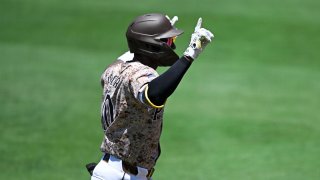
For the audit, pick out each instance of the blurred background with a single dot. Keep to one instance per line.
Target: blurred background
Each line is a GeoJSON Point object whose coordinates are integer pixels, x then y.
{"type": "Point", "coordinates": [248, 108]}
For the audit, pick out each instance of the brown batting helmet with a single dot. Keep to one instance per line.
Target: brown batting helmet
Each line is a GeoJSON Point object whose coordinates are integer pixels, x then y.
{"type": "Point", "coordinates": [148, 35]}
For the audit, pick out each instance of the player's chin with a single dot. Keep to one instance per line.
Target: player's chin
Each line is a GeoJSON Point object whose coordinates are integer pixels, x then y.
{"type": "Point", "coordinates": [173, 46]}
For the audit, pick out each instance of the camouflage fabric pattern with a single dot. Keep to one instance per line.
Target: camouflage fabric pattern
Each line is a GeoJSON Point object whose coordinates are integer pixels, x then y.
{"type": "Point", "coordinates": [131, 128]}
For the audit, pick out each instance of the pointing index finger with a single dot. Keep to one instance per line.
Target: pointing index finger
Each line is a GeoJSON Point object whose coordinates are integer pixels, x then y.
{"type": "Point", "coordinates": [198, 26]}
{"type": "Point", "coordinates": [174, 20]}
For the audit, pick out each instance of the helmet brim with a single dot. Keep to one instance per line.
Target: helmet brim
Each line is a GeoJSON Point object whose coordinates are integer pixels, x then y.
{"type": "Point", "coordinates": [171, 33]}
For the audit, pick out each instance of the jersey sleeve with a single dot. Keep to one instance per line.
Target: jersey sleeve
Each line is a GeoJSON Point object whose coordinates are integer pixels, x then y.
{"type": "Point", "coordinates": [139, 80]}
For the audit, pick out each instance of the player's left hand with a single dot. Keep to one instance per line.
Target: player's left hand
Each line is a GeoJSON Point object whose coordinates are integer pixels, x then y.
{"type": "Point", "coordinates": [200, 38]}
{"type": "Point", "coordinates": [173, 20]}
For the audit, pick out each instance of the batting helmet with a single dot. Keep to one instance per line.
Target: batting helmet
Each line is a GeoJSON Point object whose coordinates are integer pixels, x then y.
{"type": "Point", "coordinates": [148, 35]}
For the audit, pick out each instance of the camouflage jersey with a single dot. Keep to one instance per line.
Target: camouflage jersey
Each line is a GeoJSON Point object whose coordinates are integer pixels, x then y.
{"type": "Point", "coordinates": [131, 127]}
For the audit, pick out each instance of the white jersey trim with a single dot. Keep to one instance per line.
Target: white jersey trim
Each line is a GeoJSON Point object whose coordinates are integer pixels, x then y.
{"type": "Point", "coordinates": [127, 56]}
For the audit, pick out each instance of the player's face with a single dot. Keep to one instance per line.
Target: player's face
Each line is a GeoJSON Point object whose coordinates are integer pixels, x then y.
{"type": "Point", "coordinates": [171, 40]}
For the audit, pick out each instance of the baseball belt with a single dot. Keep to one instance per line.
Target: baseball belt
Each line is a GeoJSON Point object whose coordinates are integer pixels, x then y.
{"type": "Point", "coordinates": [128, 168]}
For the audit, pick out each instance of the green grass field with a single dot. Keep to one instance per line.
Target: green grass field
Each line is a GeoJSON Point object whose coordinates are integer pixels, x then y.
{"type": "Point", "coordinates": [247, 109]}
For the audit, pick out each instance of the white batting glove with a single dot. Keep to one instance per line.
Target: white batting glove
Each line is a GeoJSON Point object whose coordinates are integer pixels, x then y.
{"type": "Point", "coordinates": [199, 40]}
{"type": "Point", "coordinates": [173, 20]}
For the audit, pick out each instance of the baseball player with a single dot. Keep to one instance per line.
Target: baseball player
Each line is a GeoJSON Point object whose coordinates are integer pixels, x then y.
{"type": "Point", "coordinates": [134, 96]}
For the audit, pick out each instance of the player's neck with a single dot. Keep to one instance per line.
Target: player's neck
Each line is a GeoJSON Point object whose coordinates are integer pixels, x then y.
{"type": "Point", "coordinates": [146, 61]}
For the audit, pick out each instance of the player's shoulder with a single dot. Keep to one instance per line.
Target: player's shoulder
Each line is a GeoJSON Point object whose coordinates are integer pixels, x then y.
{"type": "Point", "coordinates": [113, 67]}
{"type": "Point", "coordinates": [137, 70]}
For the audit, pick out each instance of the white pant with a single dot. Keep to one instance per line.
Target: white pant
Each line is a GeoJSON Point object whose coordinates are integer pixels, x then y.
{"type": "Point", "coordinates": [112, 170]}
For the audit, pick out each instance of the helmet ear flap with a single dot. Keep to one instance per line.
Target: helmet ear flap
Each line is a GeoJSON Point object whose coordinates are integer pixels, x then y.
{"type": "Point", "coordinates": [136, 46]}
